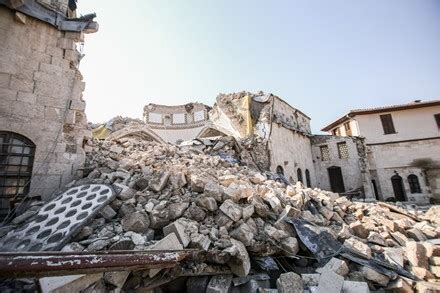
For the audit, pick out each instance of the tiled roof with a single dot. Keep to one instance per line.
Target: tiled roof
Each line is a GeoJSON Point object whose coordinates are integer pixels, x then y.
{"type": "Point", "coordinates": [413, 105]}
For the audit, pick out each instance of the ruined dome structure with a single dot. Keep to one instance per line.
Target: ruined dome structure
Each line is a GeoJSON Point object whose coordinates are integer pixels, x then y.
{"type": "Point", "coordinates": [176, 123]}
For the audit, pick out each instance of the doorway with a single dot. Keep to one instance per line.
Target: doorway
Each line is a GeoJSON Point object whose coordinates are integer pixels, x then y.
{"type": "Point", "coordinates": [399, 190]}
{"type": "Point", "coordinates": [336, 180]}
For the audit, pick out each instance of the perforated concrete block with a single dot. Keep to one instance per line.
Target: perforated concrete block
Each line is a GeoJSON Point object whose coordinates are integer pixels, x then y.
{"type": "Point", "coordinates": [59, 219]}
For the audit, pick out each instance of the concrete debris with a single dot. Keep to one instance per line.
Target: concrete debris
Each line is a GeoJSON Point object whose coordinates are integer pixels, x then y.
{"type": "Point", "coordinates": [192, 196]}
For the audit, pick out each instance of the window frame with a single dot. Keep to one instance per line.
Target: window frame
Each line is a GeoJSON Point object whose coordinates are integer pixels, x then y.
{"type": "Point", "coordinates": [414, 183]}
{"type": "Point", "coordinates": [387, 124]}
{"type": "Point", "coordinates": [339, 150]}
{"type": "Point", "coordinates": [437, 119]}
{"type": "Point", "coordinates": [322, 153]}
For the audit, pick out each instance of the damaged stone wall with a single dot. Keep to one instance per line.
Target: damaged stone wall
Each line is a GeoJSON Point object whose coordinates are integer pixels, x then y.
{"type": "Point", "coordinates": [41, 96]}
{"type": "Point", "coordinates": [176, 123]}
{"type": "Point", "coordinates": [289, 143]}
{"type": "Point", "coordinates": [388, 160]}
{"type": "Point", "coordinates": [354, 166]}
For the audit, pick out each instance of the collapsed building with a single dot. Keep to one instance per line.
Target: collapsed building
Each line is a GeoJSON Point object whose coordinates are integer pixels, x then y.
{"type": "Point", "coordinates": [43, 127]}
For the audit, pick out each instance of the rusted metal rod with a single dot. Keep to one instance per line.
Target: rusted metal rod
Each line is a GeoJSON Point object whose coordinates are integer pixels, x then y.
{"type": "Point", "coordinates": [36, 264]}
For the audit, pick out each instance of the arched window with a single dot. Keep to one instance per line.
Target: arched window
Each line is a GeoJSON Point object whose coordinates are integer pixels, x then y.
{"type": "Point", "coordinates": [280, 170]}
{"type": "Point", "coordinates": [308, 178]}
{"type": "Point", "coordinates": [16, 160]}
{"type": "Point", "coordinates": [414, 184]}
{"type": "Point", "coordinates": [299, 174]}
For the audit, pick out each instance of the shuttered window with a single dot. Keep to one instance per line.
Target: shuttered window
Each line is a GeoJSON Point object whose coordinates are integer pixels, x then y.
{"type": "Point", "coordinates": [437, 119]}
{"type": "Point", "coordinates": [387, 124]}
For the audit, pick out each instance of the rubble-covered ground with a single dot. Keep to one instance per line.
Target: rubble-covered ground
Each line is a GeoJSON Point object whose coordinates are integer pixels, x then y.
{"type": "Point", "coordinates": [260, 232]}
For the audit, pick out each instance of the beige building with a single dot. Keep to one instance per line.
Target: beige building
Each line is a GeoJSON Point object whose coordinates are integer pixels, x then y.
{"type": "Point", "coordinates": [403, 148]}
{"type": "Point", "coordinates": [43, 128]}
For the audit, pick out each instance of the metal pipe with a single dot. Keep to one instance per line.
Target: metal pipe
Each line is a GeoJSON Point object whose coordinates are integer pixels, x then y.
{"type": "Point", "coordinates": [37, 264]}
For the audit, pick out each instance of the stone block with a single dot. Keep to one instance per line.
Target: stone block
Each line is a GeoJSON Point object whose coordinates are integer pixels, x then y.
{"type": "Point", "coordinates": [77, 105]}
{"type": "Point", "coordinates": [355, 287]}
{"type": "Point", "coordinates": [359, 229]}
{"type": "Point", "coordinates": [200, 241]}
{"type": "Point", "coordinates": [240, 264]}
{"type": "Point", "coordinates": [290, 283]}
{"type": "Point", "coordinates": [169, 242]}
{"type": "Point", "coordinates": [219, 284]}
{"type": "Point", "coordinates": [335, 265]}
{"type": "Point", "coordinates": [136, 222]}
{"type": "Point", "coordinates": [243, 233]}
{"type": "Point", "coordinates": [54, 51]}
{"type": "Point", "coordinates": [65, 43]}
{"type": "Point", "coordinates": [51, 69]}
{"type": "Point", "coordinates": [310, 280]}
{"type": "Point", "coordinates": [7, 94]}
{"type": "Point", "coordinates": [231, 209]}
{"type": "Point", "coordinates": [4, 80]}
{"type": "Point", "coordinates": [427, 287]}
{"type": "Point", "coordinates": [416, 254]}
{"type": "Point", "coordinates": [108, 213]}
{"type": "Point", "coordinates": [290, 245]}
{"type": "Point", "coordinates": [400, 238]}
{"type": "Point", "coordinates": [69, 283]}
{"type": "Point", "coordinates": [26, 97]}
{"type": "Point", "coordinates": [374, 276]}
{"type": "Point", "coordinates": [208, 203]}
{"type": "Point", "coordinates": [330, 282]}
{"type": "Point", "coordinates": [358, 247]}
{"type": "Point", "coordinates": [178, 228]}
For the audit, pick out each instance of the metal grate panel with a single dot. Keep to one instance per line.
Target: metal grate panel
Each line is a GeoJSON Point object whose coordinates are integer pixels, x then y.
{"type": "Point", "coordinates": [59, 219]}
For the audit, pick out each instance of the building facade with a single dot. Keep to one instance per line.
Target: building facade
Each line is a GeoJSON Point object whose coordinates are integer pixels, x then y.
{"type": "Point", "coordinates": [43, 127]}
{"type": "Point", "coordinates": [176, 123]}
{"type": "Point", "coordinates": [403, 148]}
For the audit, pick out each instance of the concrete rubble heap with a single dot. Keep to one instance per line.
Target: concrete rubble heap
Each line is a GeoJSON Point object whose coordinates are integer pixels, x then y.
{"type": "Point", "coordinates": [198, 195]}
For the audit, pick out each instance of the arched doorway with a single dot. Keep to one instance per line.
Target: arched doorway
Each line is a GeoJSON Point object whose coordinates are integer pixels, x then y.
{"type": "Point", "coordinates": [308, 183]}
{"type": "Point", "coordinates": [336, 179]}
{"type": "Point", "coordinates": [16, 161]}
{"type": "Point", "coordinates": [399, 190]}
{"type": "Point", "coordinates": [299, 175]}
{"type": "Point", "coordinates": [280, 170]}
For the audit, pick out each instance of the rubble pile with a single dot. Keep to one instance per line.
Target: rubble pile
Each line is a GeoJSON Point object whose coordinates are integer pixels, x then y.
{"type": "Point", "coordinates": [257, 231]}
{"type": "Point", "coordinates": [175, 197]}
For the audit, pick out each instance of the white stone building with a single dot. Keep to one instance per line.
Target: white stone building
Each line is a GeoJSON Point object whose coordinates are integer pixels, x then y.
{"type": "Point", "coordinates": [403, 148]}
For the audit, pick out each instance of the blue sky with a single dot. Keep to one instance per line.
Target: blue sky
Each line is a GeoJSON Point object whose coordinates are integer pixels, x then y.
{"type": "Point", "coordinates": [323, 57]}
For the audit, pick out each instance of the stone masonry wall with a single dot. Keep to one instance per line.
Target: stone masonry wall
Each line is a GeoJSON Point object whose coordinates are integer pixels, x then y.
{"type": "Point", "coordinates": [41, 97]}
